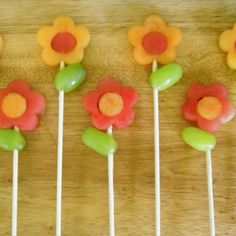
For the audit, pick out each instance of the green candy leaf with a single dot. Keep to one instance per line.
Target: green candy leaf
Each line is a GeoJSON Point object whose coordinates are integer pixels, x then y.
{"type": "Point", "coordinates": [199, 139]}
{"type": "Point", "coordinates": [166, 76]}
{"type": "Point", "coordinates": [99, 141]}
{"type": "Point", "coordinates": [11, 139]}
{"type": "Point", "coordinates": [69, 78]}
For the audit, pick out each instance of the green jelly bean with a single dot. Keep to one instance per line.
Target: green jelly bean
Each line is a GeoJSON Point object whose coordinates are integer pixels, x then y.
{"type": "Point", "coordinates": [166, 76]}
{"type": "Point", "coordinates": [11, 139]}
{"type": "Point", "coordinates": [99, 141]}
{"type": "Point", "coordinates": [199, 139]}
{"type": "Point", "coordinates": [69, 78]}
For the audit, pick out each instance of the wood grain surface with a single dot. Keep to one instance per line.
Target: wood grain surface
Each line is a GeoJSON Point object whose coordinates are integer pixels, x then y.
{"type": "Point", "coordinates": [184, 198]}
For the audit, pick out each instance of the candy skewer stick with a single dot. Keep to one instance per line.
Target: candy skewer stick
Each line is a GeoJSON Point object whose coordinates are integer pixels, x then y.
{"type": "Point", "coordinates": [60, 158]}
{"type": "Point", "coordinates": [157, 155]}
{"type": "Point", "coordinates": [111, 188]}
{"type": "Point", "coordinates": [114, 103]}
{"type": "Point", "coordinates": [201, 104]}
{"type": "Point", "coordinates": [147, 45]}
{"type": "Point", "coordinates": [15, 191]}
{"type": "Point", "coordinates": [210, 193]}
{"type": "Point", "coordinates": [22, 117]}
{"type": "Point", "coordinates": [67, 49]}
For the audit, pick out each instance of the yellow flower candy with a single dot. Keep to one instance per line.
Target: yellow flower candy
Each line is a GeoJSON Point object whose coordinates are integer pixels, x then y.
{"type": "Point", "coordinates": [227, 43]}
{"type": "Point", "coordinates": [154, 41]}
{"type": "Point", "coordinates": [63, 41]}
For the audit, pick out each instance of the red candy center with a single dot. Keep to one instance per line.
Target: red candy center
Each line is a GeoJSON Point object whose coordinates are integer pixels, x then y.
{"type": "Point", "coordinates": [154, 43]}
{"type": "Point", "coordinates": [63, 42]}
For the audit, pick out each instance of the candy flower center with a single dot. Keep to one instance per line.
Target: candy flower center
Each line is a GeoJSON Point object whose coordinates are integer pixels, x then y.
{"type": "Point", "coordinates": [14, 105]}
{"type": "Point", "coordinates": [209, 107]}
{"type": "Point", "coordinates": [154, 43]}
{"type": "Point", "coordinates": [63, 42]}
{"type": "Point", "coordinates": [110, 104]}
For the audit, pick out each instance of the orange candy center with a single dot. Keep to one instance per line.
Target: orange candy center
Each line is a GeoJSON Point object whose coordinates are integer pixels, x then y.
{"type": "Point", "coordinates": [154, 43]}
{"type": "Point", "coordinates": [209, 108]}
{"type": "Point", "coordinates": [63, 42]}
{"type": "Point", "coordinates": [14, 105]}
{"type": "Point", "coordinates": [110, 104]}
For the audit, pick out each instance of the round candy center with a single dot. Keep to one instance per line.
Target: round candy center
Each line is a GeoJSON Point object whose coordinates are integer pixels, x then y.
{"type": "Point", "coordinates": [110, 104]}
{"type": "Point", "coordinates": [63, 42]}
{"type": "Point", "coordinates": [154, 43]}
{"type": "Point", "coordinates": [209, 107]}
{"type": "Point", "coordinates": [14, 105]}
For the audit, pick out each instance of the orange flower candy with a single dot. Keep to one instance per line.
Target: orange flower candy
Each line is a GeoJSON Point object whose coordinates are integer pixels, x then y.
{"type": "Point", "coordinates": [227, 43]}
{"type": "Point", "coordinates": [63, 41]}
{"type": "Point", "coordinates": [154, 41]}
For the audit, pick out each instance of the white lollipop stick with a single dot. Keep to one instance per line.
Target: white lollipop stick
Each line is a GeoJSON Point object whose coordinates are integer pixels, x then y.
{"type": "Point", "coordinates": [157, 156]}
{"type": "Point", "coordinates": [60, 158]}
{"type": "Point", "coordinates": [111, 188]}
{"type": "Point", "coordinates": [15, 191]}
{"type": "Point", "coordinates": [210, 193]}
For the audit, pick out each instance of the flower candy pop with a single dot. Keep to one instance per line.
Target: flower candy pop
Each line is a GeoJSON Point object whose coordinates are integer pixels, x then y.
{"type": "Point", "coordinates": [63, 43]}
{"type": "Point", "coordinates": [207, 107]}
{"type": "Point", "coordinates": [19, 110]}
{"type": "Point", "coordinates": [155, 42]}
{"type": "Point", "coordinates": [110, 106]}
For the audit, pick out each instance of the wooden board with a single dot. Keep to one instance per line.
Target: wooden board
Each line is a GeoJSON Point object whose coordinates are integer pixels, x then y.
{"type": "Point", "coordinates": [184, 199]}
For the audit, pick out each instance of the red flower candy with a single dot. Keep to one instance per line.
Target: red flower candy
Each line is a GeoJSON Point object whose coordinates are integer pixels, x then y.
{"type": "Point", "coordinates": [111, 104]}
{"type": "Point", "coordinates": [19, 106]}
{"type": "Point", "coordinates": [208, 106]}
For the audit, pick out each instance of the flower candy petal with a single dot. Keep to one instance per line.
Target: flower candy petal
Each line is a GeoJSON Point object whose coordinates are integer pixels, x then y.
{"type": "Point", "coordinates": [228, 112]}
{"type": "Point", "coordinates": [227, 40]}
